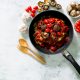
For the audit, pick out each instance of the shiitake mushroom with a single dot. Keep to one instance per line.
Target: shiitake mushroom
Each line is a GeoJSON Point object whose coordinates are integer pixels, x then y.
{"type": "Point", "coordinates": [53, 3]}
{"type": "Point", "coordinates": [56, 27]}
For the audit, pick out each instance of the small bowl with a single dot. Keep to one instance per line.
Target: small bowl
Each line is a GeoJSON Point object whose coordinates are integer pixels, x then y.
{"type": "Point", "coordinates": [72, 9]}
{"type": "Point", "coordinates": [76, 16]}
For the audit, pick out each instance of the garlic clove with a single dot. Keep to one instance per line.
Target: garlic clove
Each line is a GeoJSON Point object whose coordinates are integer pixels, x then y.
{"type": "Point", "coordinates": [23, 29]}
{"type": "Point", "coordinates": [26, 18]}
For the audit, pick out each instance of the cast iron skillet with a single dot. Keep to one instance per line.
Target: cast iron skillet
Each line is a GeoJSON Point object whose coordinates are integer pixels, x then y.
{"type": "Point", "coordinates": [59, 15]}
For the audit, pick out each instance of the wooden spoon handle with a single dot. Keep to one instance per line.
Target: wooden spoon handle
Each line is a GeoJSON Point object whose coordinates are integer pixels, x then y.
{"type": "Point", "coordinates": [32, 54]}
{"type": "Point", "coordinates": [36, 56]}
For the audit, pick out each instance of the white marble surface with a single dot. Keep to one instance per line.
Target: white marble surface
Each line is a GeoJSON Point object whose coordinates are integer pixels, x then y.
{"type": "Point", "coordinates": [17, 66]}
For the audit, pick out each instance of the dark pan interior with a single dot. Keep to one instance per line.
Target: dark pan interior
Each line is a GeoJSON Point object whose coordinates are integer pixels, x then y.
{"type": "Point", "coordinates": [55, 14]}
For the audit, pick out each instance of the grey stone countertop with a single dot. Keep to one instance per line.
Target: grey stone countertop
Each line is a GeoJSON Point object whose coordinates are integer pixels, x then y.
{"type": "Point", "coordinates": [17, 66]}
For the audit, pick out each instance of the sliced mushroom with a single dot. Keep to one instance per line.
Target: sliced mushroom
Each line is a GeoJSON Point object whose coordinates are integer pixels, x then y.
{"type": "Point", "coordinates": [40, 9]}
{"type": "Point", "coordinates": [58, 6]}
{"type": "Point", "coordinates": [40, 3]}
{"type": "Point", "coordinates": [45, 7]}
{"type": "Point", "coordinates": [45, 35]}
{"type": "Point", "coordinates": [60, 38]}
{"type": "Point", "coordinates": [53, 4]}
{"type": "Point", "coordinates": [53, 36]}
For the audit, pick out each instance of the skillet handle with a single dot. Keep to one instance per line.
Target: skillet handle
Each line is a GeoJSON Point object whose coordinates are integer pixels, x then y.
{"type": "Point", "coordinates": [70, 58]}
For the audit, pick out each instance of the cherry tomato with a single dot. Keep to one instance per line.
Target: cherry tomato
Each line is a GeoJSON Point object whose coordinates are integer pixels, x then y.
{"type": "Point", "coordinates": [67, 29]}
{"type": "Point", "coordinates": [46, 21]}
{"type": "Point", "coordinates": [77, 26]}
{"type": "Point", "coordinates": [32, 14]}
{"type": "Point", "coordinates": [51, 20]}
{"type": "Point", "coordinates": [78, 23]}
{"type": "Point", "coordinates": [33, 11]}
{"type": "Point", "coordinates": [78, 30]}
{"type": "Point", "coordinates": [36, 8]}
{"type": "Point", "coordinates": [27, 10]}
{"type": "Point", "coordinates": [49, 25]}
{"type": "Point", "coordinates": [47, 30]}
{"type": "Point", "coordinates": [51, 31]}
{"type": "Point", "coordinates": [52, 48]}
{"type": "Point", "coordinates": [59, 33]}
{"type": "Point", "coordinates": [30, 8]}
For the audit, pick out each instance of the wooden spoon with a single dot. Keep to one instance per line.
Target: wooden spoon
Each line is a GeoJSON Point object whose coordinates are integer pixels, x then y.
{"type": "Point", "coordinates": [24, 47]}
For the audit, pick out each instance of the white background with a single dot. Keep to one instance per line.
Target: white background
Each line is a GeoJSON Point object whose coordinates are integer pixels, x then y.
{"type": "Point", "coordinates": [15, 65]}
